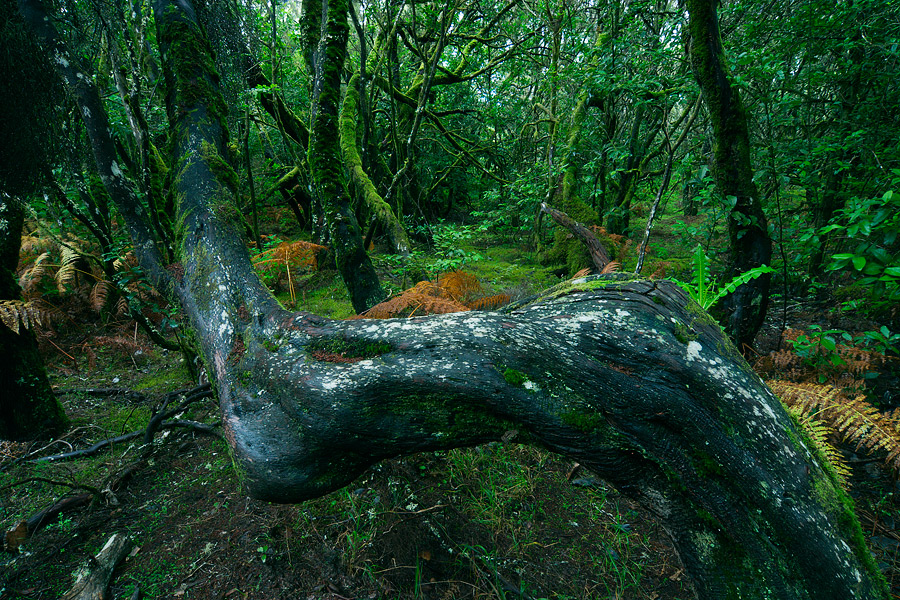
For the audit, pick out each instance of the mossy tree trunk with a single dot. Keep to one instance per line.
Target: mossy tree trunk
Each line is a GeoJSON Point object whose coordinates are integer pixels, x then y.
{"type": "Point", "coordinates": [750, 245]}
{"type": "Point", "coordinates": [626, 376]}
{"type": "Point", "coordinates": [28, 408]}
{"type": "Point", "coordinates": [326, 166]}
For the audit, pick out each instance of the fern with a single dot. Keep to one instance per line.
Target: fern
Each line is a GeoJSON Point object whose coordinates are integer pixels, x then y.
{"type": "Point", "coordinates": [489, 302]}
{"type": "Point", "coordinates": [449, 294]}
{"type": "Point", "coordinates": [854, 419]}
{"type": "Point", "coordinates": [818, 432]}
{"type": "Point", "coordinates": [16, 314]}
{"type": "Point", "coordinates": [704, 291]}
{"type": "Point", "coordinates": [99, 295]}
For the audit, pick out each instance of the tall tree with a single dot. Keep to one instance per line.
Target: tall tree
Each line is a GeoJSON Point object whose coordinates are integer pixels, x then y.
{"type": "Point", "coordinates": [28, 408]}
{"type": "Point", "coordinates": [749, 242]}
{"type": "Point", "coordinates": [624, 375]}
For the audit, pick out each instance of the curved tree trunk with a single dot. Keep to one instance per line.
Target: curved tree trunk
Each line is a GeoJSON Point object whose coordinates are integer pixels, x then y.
{"type": "Point", "coordinates": [750, 244]}
{"type": "Point", "coordinates": [626, 376]}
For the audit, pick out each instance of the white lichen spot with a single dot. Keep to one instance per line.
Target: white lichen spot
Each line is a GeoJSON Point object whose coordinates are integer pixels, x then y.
{"type": "Point", "coordinates": [330, 384]}
{"type": "Point", "coordinates": [114, 168]}
{"type": "Point", "coordinates": [622, 313]}
{"type": "Point", "coordinates": [693, 350]}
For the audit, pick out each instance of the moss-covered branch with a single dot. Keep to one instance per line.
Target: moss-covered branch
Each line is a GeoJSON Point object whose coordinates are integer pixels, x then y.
{"type": "Point", "coordinates": [380, 210]}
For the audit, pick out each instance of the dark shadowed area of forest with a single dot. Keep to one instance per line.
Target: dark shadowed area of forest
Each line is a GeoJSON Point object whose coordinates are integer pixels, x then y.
{"type": "Point", "coordinates": [533, 299]}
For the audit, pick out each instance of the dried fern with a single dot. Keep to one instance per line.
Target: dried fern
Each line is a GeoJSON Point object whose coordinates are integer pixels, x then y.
{"type": "Point", "coordinates": [99, 294]}
{"type": "Point", "coordinates": [32, 276]}
{"type": "Point", "coordinates": [16, 314]}
{"type": "Point", "coordinates": [489, 302]}
{"type": "Point", "coordinates": [68, 267]}
{"type": "Point", "coordinates": [459, 285]}
{"type": "Point", "coordinates": [854, 419]}
{"type": "Point", "coordinates": [612, 267]}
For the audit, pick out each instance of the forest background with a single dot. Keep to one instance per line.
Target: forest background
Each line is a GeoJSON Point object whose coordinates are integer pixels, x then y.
{"type": "Point", "coordinates": [455, 123]}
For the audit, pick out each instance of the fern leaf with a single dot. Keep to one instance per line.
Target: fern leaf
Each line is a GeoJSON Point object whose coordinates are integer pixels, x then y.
{"type": "Point", "coordinates": [856, 420]}
{"type": "Point", "coordinates": [99, 295]}
{"type": "Point", "coordinates": [16, 314]}
{"type": "Point", "coordinates": [818, 432]}
{"type": "Point", "coordinates": [740, 280]}
{"type": "Point", "coordinates": [68, 269]}
{"type": "Point", "coordinates": [31, 277]}
{"type": "Point", "coordinates": [489, 302]}
{"type": "Point", "coordinates": [459, 285]}
{"type": "Point", "coordinates": [612, 266]}
{"type": "Point", "coordinates": [701, 277]}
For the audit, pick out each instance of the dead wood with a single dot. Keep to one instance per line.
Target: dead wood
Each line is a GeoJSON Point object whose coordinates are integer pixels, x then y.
{"type": "Point", "coordinates": [599, 255]}
{"type": "Point", "coordinates": [92, 580]}
{"type": "Point", "coordinates": [14, 538]}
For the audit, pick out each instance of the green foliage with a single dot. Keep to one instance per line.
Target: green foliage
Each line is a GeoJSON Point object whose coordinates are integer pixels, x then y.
{"type": "Point", "coordinates": [704, 290]}
{"type": "Point", "coordinates": [869, 229]}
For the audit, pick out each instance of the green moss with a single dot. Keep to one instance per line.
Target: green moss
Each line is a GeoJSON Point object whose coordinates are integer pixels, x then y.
{"type": "Point", "coordinates": [586, 422]}
{"type": "Point", "coordinates": [827, 491]}
{"type": "Point", "coordinates": [516, 378]}
{"type": "Point", "coordinates": [683, 334]}
{"type": "Point", "coordinates": [450, 417]}
{"type": "Point", "coordinates": [191, 60]}
{"type": "Point", "coordinates": [270, 345]}
{"type": "Point", "coordinates": [223, 171]}
{"type": "Point", "coordinates": [348, 347]}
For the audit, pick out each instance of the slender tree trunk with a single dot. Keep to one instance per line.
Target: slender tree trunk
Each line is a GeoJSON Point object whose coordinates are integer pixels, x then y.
{"type": "Point", "coordinates": [28, 408]}
{"type": "Point", "coordinates": [750, 245]}
{"type": "Point", "coordinates": [329, 180]}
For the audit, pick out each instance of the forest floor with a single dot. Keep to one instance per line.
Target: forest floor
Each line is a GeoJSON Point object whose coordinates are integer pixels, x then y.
{"type": "Point", "coordinates": [499, 521]}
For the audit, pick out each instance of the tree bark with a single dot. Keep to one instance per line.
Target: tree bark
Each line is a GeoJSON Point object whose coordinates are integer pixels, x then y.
{"type": "Point", "coordinates": [750, 245]}
{"type": "Point", "coordinates": [626, 376]}
{"type": "Point", "coordinates": [326, 166]}
{"type": "Point", "coordinates": [28, 408]}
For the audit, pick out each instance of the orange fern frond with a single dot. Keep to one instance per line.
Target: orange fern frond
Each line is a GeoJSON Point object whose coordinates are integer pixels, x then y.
{"type": "Point", "coordinates": [412, 303]}
{"type": "Point", "coordinates": [459, 285]}
{"type": "Point", "coordinates": [122, 306]}
{"type": "Point", "coordinates": [489, 302]}
{"type": "Point", "coordinates": [33, 275]}
{"type": "Point", "coordinates": [99, 295]}
{"type": "Point", "coordinates": [582, 273]}
{"type": "Point", "coordinates": [612, 266]}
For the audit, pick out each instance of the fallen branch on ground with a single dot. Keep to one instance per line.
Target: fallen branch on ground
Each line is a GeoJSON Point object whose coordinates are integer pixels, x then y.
{"type": "Point", "coordinates": [91, 581]}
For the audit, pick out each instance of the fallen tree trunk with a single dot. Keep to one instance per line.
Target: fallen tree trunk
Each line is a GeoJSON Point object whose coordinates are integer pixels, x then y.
{"type": "Point", "coordinates": [626, 376]}
{"type": "Point", "coordinates": [599, 255]}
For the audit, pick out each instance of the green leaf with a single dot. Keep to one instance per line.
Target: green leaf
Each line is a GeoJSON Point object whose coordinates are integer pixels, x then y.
{"type": "Point", "coordinates": [859, 262]}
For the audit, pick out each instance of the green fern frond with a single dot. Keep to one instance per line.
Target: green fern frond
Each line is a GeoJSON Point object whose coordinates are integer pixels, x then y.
{"type": "Point", "coordinates": [818, 433]}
